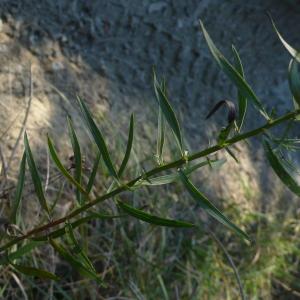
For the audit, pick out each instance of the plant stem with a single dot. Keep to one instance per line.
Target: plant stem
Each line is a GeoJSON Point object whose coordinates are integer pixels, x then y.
{"type": "Point", "coordinates": [175, 164]}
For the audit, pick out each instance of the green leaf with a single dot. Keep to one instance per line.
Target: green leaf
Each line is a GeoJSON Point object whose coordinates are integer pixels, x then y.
{"type": "Point", "coordinates": [141, 215]}
{"type": "Point", "coordinates": [129, 146]}
{"type": "Point", "coordinates": [209, 207]}
{"type": "Point", "coordinates": [78, 249]}
{"type": "Point", "coordinates": [27, 248]}
{"type": "Point", "coordinates": [19, 189]}
{"type": "Point", "coordinates": [82, 269]}
{"type": "Point", "coordinates": [59, 232]}
{"type": "Point", "coordinates": [168, 112]}
{"type": "Point", "coordinates": [93, 173]}
{"type": "Point", "coordinates": [288, 47]}
{"type": "Point", "coordinates": [294, 82]}
{"type": "Point", "coordinates": [98, 138]}
{"type": "Point", "coordinates": [35, 175]}
{"type": "Point", "coordinates": [167, 179]}
{"type": "Point", "coordinates": [242, 100]}
{"type": "Point", "coordinates": [233, 74]}
{"type": "Point", "coordinates": [281, 172]}
{"type": "Point", "coordinates": [35, 272]}
{"type": "Point", "coordinates": [62, 169]}
{"type": "Point", "coordinates": [224, 133]}
{"type": "Point", "coordinates": [160, 126]}
{"type": "Point", "coordinates": [77, 157]}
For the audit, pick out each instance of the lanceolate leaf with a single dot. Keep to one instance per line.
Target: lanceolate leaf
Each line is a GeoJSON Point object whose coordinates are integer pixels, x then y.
{"type": "Point", "coordinates": [77, 157]}
{"type": "Point", "coordinates": [23, 250]}
{"type": "Point", "coordinates": [35, 175]}
{"type": "Point", "coordinates": [59, 232]}
{"type": "Point", "coordinates": [35, 272]}
{"type": "Point", "coordinates": [209, 207]}
{"type": "Point", "coordinates": [160, 125]}
{"type": "Point", "coordinates": [289, 48]}
{"type": "Point", "coordinates": [167, 179]}
{"type": "Point", "coordinates": [281, 172]}
{"type": "Point", "coordinates": [242, 100]}
{"type": "Point", "coordinates": [128, 148]}
{"type": "Point", "coordinates": [62, 169]}
{"type": "Point", "coordinates": [19, 190]}
{"type": "Point", "coordinates": [233, 74]}
{"type": "Point", "coordinates": [77, 248]}
{"type": "Point", "coordinates": [98, 138]}
{"type": "Point", "coordinates": [141, 215]}
{"type": "Point", "coordinates": [168, 113]}
{"type": "Point", "coordinates": [82, 269]}
{"type": "Point", "coordinates": [93, 173]}
{"type": "Point", "coordinates": [294, 80]}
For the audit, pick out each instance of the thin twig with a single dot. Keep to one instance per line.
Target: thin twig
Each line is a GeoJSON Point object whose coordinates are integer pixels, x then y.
{"type": "Point", "coordinates": [175, 164]}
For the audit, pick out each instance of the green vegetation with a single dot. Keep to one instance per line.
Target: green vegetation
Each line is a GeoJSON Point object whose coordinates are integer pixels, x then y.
{"type": "Point", "coordinates": [138, 234]}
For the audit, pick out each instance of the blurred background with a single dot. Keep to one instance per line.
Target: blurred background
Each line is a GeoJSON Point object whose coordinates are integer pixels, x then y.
{"type": "Point", "coordinates": [104, 51]}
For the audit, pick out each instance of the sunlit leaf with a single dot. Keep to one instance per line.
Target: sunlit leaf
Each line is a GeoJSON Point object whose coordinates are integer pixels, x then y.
{"type": "Point", "coordinates": [30, 271]}
{"type": "Point", "coordinates": [242, 100]}
{"type": "Point", "coordinates": [209, 207]}
{"type": "Point", "coordinates": [141, 215]}
{"type": "Point", "coordinates": [98, 138]}
{"type": "Point", "coordinates": [128, 148]}
{"type": "Point", "coordinates": [19, 189]}
{"type": "Point", "coordinates": [77, 157]}
{"type": "Point", "coordinates": [281, 172]}
{"type": "Point", "coordinates": [233, 74]}
{"type": "Point", "coordinates": [62, 169]}
{"type": "Point", "coordinates": [168, 113]}
{"type": "Point", "coordinates": [35, 175]}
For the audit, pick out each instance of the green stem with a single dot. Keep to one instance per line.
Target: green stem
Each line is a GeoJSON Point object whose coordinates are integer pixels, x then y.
{"type": "Point", "coordinates": [157, 170]}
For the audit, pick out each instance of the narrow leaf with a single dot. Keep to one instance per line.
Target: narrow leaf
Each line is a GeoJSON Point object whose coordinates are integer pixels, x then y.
{"type": "Point", "coordinates": [23, 250]}
{"type": "Point", "coordinates": [281, 172]}
{"type": "Point", "coordinates": [35, 175]}
{"type": "Point", "coordinates": [83, 270]}
{"type": "Point", "coordinates": [29, 271]}
{"type": "Point", "coordinates": [170, 178]}
{"type": "Point", "coordinates": [61, 231]}
{"type": "Point", "coordinates": [209, 207]}
{"type": "Point", "coordinates": [93, 173]}
{"type": "Point", "coordinates": [98, 138]}
{"type": "Point", "coordinates": [242, 100]}
{"type": "Point", "coordinates": [128, 148]}
{"type": "Point", "coordinates": [294, 81]}
{"type": "Point", "coordinates": [295, 54]}
{"type": "Point", "coordinates": [19, 189]}
{"type": "Point", "coordinates": [168, 112]}
{"type": "Point", "coordinates": [76, 247]}
{"type": "Point", "coordinates": [77, 157]}
{"type": "Point", "coordinates": [141, 215]}
{"type": "Point", "coordinates": [233, 74]}
{"type": "Point", "coordinates": [62, 169]}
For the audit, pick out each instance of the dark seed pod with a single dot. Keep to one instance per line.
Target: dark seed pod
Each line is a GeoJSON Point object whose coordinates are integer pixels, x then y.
{"type": "Point", "coordinates": [231, 110]}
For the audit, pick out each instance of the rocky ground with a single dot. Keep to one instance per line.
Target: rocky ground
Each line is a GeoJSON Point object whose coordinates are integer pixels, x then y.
{"type": "Point", "coordinates": [105, 50]}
